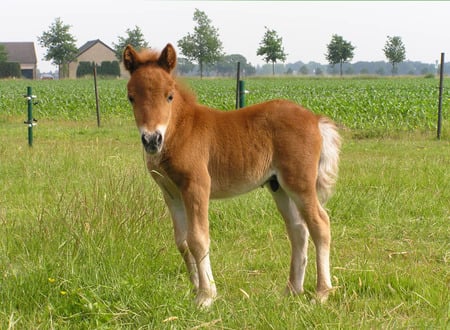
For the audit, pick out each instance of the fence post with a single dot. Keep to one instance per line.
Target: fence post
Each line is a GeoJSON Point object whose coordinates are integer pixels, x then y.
{"type": "Point", "coordinates": [441, 87]}
{"type": "Point", "coordinates": [30, 121]}
{"type": "Point", "coordinates": [241, 93]}
{"type": "Point", "coordinates": [97, 107]}
{"type": "Point", "coordinates": [238, 79]}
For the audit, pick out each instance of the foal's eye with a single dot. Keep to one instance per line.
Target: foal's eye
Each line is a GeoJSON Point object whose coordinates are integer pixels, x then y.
{"type": "Point", "coordinates": [170, 98]}
{"type": "Point", "coordinates": [131, 99]}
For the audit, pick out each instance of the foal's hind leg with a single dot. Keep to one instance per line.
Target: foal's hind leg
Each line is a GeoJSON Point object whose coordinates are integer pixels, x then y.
{"type": "Point", "coordinates": [298, 236]}
{"type": "Point", "coordinates": [301, 188]}
{"type": "Point", "coordinates": [318, 224]}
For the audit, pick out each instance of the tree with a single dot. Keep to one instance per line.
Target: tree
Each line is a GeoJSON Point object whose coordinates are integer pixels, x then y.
{"type": "Point", "coordinates": [184, 66]}
{"type": "Point", "coordinates": [339, 51]}
{"type": "Point", "coordinates": [203, 46]}
{"type": "Point", "coordinates": [394, 50]}
{"type": "Point", "coordinates": [271, 47]}
{"type": "Point", "coordinates": [60, 46]}
{"type": "Point", "coordinates": [227, 65]}
{"type": "Point", "coordinates": [303, 70]}
{"type": "Point", "coordinates": [134, 38]}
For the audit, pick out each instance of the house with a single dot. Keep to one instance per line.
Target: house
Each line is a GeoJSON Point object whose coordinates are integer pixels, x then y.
{"type": "Point", "coordinates": [23, 53]}
{"type": "Point", "coordinates": [94, 51]}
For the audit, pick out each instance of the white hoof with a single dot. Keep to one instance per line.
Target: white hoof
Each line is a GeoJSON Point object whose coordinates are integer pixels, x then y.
{"type": "Point", "coordinates": [204, 300]}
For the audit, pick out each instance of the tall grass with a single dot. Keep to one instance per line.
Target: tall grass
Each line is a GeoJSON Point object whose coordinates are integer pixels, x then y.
{"type": "Point", "coordinates": [87, 242]}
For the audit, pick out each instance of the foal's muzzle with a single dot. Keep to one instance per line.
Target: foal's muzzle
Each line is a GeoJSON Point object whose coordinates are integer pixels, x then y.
{"type": "Point", "coordinates": [152, 142]}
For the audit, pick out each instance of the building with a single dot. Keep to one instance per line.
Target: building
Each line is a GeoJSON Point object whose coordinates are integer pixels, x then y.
{"type": "Point", "coordinates": [94, 51]}
{"type": "Point", "coordinates": [23, 53]}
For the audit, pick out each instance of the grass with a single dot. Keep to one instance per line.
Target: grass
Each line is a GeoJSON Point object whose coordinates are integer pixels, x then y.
{"type": "Point", "coordinates": [87, 242]}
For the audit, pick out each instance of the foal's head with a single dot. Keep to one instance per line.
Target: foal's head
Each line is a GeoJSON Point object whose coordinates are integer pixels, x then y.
{"type": "Point", "coordinates": [151, 91]}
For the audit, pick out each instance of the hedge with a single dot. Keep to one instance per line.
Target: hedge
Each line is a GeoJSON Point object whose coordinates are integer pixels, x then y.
{"type": "Point", "coordinates": [10, 70]}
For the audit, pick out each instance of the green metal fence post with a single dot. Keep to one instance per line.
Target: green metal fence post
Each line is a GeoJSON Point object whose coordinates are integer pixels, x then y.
{"type": "Point", "coordinates": [31, 121]}
{"type": "Point", "coordinates": [241, 93]}
{"type": "Point", "coordinates": [30, 116]}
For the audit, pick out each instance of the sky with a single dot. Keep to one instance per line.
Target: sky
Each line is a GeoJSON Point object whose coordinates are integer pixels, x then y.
{"type": "Point", "coordinates": [306, 27]}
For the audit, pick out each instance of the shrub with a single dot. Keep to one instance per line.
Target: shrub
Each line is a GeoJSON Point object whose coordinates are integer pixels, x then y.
{"type": "Point", "coordinates": [10, 70]}
{"type": "Point", "coordinates": [85, 68]}
{"type": "Point", "coordinates": [109, 68]}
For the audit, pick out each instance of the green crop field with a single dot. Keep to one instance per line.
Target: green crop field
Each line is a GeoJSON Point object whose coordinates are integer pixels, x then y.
{"type": "Point", "coordinates": [376, 106]}
{"type": "Point", "coordinates": [87, 243]}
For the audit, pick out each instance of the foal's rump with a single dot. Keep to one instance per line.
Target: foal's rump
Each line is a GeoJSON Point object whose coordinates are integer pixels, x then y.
{"type": "Point", "coordinates": [316, 140]}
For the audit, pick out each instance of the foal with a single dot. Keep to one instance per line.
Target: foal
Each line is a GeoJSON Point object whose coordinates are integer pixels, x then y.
{"type": "Point", "coordinates": [195, 153]}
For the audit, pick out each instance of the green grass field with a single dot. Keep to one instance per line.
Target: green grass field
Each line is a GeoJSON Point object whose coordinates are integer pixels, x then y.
{"type": "Point", "coordinates": [87, 242]}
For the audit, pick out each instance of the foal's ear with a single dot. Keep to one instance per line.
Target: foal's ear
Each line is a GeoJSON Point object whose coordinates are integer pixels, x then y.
{"type": "Point", "coordinates": [168, 58]}
{"type": "Point", "coordinates": [130, 59]}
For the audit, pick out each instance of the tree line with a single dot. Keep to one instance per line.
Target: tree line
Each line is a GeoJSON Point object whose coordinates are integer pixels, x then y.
{"type": "Point", "coordinates": [202, 51]}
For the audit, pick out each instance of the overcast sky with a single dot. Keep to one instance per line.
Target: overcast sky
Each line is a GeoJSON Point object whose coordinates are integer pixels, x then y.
{"type": "Point", "coordinates": [305, 26]}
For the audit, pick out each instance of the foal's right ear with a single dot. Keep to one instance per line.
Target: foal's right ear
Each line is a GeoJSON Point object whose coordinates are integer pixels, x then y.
{"type": "Point", "coordinates": [168, 58]}
{"type": "Point", "coordinates": [130, 59]}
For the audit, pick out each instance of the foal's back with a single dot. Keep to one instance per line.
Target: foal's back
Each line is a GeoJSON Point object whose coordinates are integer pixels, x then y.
{"type": "Point", "coordinates": [245, 148]}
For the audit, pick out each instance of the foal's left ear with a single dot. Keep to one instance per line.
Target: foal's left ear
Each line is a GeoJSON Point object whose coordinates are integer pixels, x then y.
{"type": "Point", "coordinates": [130, 59]}
{"type": "Point", "coordinates": [168, 58]}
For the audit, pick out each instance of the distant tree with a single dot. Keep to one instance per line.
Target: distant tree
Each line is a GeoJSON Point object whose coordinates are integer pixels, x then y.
{"type": "Point", "coordinates": [184, 66]}
{"type": "Point", "coordinates": [227, 65]}
{"type": "Point", "coordinates": [349, 70]}
{"type": "Point", "coordinates": [394, 50]}
{"type": "Point", "coordinates": [380, 71]}
{"type": "Point", "coordinates": [304, 70]}
{"type": "Point", "coordinates": [134, 38]}
{"type": "Point", "coordinates": [203, 46]}
{"type": "Point", "coordinates": [339, 51]}
{"type": "Point", "coordinates": [60, 44]}
{"type": "Point", "coordinates": [271, 47]}
{"type": "Point", "coordinates": [3, 54]}
{"type": "Point", "coordinates": [364, 71]}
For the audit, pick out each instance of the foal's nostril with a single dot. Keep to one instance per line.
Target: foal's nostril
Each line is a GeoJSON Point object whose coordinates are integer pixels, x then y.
{"type": "Point", "coordinates": [158, 138]}
{"type": "Point", "coordinates": [152, 141]}
{"type": "Point", "coordinates": [144, 139]}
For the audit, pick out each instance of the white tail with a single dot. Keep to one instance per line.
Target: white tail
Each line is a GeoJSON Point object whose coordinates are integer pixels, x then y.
{"type": "Point", "coordinates": [329, 159]}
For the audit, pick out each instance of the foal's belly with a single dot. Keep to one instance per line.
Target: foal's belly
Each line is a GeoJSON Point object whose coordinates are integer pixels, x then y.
{"type": "Point", "coordinates": [229, 187]}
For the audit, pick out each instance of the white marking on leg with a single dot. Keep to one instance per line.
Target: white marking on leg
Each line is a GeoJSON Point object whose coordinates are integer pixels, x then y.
{"type": "Point", "coordinates": [207, 291]}
{"type": "Point", "coordinates": [177, 211]}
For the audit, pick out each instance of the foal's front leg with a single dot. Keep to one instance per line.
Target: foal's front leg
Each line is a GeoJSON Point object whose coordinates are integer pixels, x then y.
{"type": "Point", "coordinates": [196, 199]}
{"type": "Point", "coordinates": [178, 214]}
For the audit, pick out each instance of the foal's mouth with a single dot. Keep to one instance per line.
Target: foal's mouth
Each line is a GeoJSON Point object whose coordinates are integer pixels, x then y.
{"type": "Point", "coordinates": [152, 142]}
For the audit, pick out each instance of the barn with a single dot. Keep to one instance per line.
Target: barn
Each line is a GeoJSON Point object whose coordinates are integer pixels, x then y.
{"type": "Point", "coordinates": [93, 51]}
{"type": "Point", "coordinates": [23, 53]}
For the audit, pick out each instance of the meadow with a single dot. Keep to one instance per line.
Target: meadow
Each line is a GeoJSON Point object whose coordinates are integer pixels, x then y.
{"type": "Point", "coordinates": [87, 243]}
